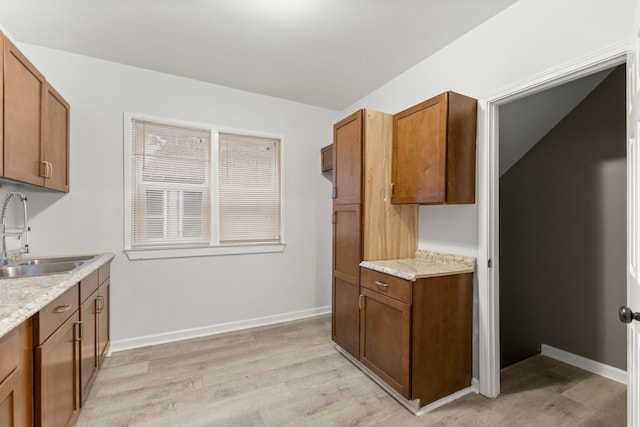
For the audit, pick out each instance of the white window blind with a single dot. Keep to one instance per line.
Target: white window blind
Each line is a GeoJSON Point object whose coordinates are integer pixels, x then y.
{"type": "Point", "coordinates": [249, 188]}
{"type": "Point", "coordinates": [171, 178]}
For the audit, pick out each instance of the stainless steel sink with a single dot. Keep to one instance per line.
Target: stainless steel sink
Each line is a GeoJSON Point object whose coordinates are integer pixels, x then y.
{"type": "Point", "coordinates": [38, 261]}
{"type": "Point", "coordinates": [43, 266]}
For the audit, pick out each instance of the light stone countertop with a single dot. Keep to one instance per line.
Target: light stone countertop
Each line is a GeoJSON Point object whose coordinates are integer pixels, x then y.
{"type": "Point", "coordinates": [21, 298]}
{"type": "Point", "coordinates": [425, 264]}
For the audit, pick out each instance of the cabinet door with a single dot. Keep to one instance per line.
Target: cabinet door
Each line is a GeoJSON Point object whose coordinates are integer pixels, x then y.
{"type": "Point", "coordinates": [419, 159]}
{"type": "Point", "coordinates": [55, 154]}
{"type": "Point", "coordinates": [385, 347]}
{"type": "Point", "coordinates": [88, 345]}
{"type": "Point", "coordinates": [57, 376]}
{"type": "Point", "coordinates": [23, 99]}
{"type": "Point", "coordinates": [103, 309]}
{"type": "Point", "coordinates": [347, 251]}
{"type": "Point", "coordinates": [16, 388]}
{"type": "Point", "coordinates": [347, 163]}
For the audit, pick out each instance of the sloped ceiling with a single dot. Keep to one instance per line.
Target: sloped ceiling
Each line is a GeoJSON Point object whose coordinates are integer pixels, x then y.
{"type": "Point", "coordinates": [525, 121]}
{"type": "Point", "coordinates": [328, 53]}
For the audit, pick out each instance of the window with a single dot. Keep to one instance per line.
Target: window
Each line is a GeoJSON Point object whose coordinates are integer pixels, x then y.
{"type": "Point", "coordinates": [194, 190]}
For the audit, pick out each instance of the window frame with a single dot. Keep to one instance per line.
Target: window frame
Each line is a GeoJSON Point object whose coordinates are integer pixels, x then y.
{"type": "Point", "coordinates": [214, 247]}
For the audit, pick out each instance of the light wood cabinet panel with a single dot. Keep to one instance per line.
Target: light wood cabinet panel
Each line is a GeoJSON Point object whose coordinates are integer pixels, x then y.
{"type": "Point", "coordinates": [16, 377]}
{"type": "Point", "coordinates": [434, 151]}
{"type": "Point", "coordinates": [55, 152]}
{"type": "Point", "coordinates": [23, 98]}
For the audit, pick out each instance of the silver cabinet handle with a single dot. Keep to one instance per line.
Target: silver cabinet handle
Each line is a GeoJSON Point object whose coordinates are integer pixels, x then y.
{"type": "Point", "coordinates": [62, 308]}
{"type": "Point", "coordinates": [382, 284]}
{"type": "Point", "coordinates": [80, 334]}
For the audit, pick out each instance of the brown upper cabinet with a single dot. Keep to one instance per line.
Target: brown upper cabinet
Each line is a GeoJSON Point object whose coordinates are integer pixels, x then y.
{"type": "Point", "coordinates": [35, 124]}
{"type": "Point", "coordinates": [434, 151]}
{"type": "Point", "coordinates": [327, 158]}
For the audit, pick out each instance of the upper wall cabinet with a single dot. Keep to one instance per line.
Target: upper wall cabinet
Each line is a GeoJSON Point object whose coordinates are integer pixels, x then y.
{"type": "Point", "coordinates": [35, 124]}
{"type": "Point", "coordinates": [326, 154]}
{"type": "Point", "coordinates": [434, 151]}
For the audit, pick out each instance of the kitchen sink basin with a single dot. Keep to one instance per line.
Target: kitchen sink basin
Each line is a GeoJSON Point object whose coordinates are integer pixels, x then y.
{"type": "Point", "coordinates": [39, 261]}
{"type": "Point", "coordinates": [43, 266]}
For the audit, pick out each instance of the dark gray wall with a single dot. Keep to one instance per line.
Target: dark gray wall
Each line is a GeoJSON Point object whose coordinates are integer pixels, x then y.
{"type": "Point", "coordinates": [563, 235]}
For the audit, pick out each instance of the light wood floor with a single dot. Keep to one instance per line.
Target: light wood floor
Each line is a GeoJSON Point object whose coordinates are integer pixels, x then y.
{"type": "Point", "coordinates": [290, 375]}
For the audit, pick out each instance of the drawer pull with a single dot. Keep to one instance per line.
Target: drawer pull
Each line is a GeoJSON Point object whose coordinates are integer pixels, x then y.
{"type": "Point", "coordinates": [382, 285]}
{"type": "Point", "coordinates": [63, 308]}
{"type": "Point", "coordinates": [80, 333]}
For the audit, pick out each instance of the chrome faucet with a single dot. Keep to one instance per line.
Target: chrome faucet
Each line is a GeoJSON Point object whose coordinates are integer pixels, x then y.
{"type": "Point", "coordinates": [20, 233]}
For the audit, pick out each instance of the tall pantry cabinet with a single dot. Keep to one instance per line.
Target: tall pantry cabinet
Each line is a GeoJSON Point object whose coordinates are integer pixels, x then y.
{"type": "Point", "coordinates": [366, 226]}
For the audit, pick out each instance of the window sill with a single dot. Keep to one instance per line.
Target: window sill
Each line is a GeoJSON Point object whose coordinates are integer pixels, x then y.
{"type": "Point", "coordinates": [161, 253]}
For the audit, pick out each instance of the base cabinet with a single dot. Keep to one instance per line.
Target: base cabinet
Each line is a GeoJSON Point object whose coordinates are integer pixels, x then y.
{"type": "Point", "coordinates": [385, 339]}
{"type": "Point", "coordinates": [94, 314]}
{"type": "Point", "coordinates": [416, 336]}
{"type": "Point", "coordinates": [16, 377]}
{"type": "Point", "coordinates": [57, 367]}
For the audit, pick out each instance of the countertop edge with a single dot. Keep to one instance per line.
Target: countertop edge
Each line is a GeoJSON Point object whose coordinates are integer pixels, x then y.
{"type": "Point", "coordinates": [64, 282]}
{"type": "Point", "coordinates": [424, 265]}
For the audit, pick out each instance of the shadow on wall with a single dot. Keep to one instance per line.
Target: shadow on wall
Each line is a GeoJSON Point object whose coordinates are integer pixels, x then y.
{"type": "Point", "coordinates": [563, 235]}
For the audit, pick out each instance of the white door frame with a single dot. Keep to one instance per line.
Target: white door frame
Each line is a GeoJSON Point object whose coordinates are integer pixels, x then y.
{"type": "Point", "coordinates": [488, 199]}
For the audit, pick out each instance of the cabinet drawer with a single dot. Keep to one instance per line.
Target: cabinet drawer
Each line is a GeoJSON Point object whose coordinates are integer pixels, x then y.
{"type": "Point", "coordinates": [89, 285]}
{"type": "Point", "coordinates": [394, 287]}
{"type": "Point", "coordinates": [53, 315]}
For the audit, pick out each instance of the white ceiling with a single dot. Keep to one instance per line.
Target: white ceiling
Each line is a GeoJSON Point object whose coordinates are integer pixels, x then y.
{"type": "Point", "coordinates": [328, 53]}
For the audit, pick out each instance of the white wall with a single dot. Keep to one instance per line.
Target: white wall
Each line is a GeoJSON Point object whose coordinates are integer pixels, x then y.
{"type": "Point", "coordinates": [524, 40]}
{"type": "Point", "coordinates": [169, 296]}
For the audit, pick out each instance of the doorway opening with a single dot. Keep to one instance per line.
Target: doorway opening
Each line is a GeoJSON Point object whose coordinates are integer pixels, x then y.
{"type": "Point", "coordinates": [489, 190]}
{"type": "Point", "coordinates": [562, 219]}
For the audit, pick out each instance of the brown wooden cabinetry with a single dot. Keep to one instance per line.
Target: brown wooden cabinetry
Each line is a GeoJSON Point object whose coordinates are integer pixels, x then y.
{"type": "Point", "coordinates": [416, 336]}
{"type": "Point", "coordinates": [16, 377]}
{"type": "Point", "coordinates": [434, 151]}
{"type": "Point", "coordinates": [94, 315]}
{"type": "Point", "coordinates": [35, 136]}
{"type": "Point", "coordinates": [326, 158]}
{"type": "Point", "coordinates": [365, 224]}
{"type": "Point", "coordinates": [57, 337]}
{"type": "Point", "coordinates": [55, 152]}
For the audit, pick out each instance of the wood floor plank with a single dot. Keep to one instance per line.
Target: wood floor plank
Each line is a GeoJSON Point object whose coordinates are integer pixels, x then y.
{"type": "Point", "coordinates": [290, 375]}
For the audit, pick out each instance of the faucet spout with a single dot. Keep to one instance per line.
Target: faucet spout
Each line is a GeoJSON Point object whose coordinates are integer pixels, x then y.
{"type": "Point", "coordinates": [20, 233]}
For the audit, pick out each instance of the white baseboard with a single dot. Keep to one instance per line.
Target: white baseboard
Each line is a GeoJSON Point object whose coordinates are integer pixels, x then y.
{"type": "Point", "coordinates": [144, 341]}
{"type": "Point", "coordinates": [412, 405]}
{"type": "Point", "coordinates": [597, 368]}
